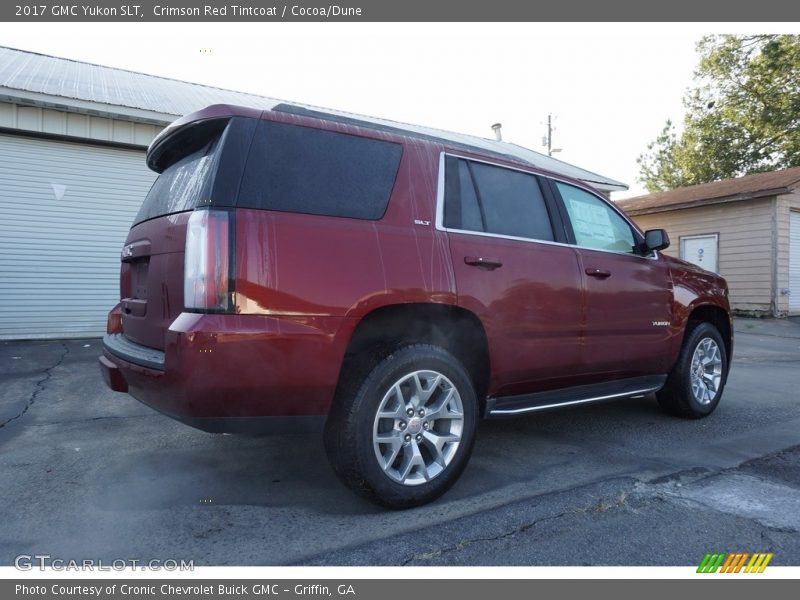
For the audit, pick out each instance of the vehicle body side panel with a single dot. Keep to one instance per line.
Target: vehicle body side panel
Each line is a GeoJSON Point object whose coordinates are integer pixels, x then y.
{"type": "Point", "coordinates": [243, 365]}
{"type": "Point", "coordinates": [628, 314]}
{"type": "Point", "coordinates": [308, 265]}
{"type": "Point", "coordinates": [693, 288]}
{"type": "Point", "coordinates": [531, 309]}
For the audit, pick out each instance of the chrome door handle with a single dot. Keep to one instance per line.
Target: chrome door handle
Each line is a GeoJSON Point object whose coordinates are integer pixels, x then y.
{"type": "Point", "coordinates": [599, 273]}
{"type": "Point", "coordinates": [482, 262]}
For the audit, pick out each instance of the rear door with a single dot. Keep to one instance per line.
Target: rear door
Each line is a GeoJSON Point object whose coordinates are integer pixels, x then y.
{"type": "Point", "coordinates": [525, 288]}
{"type": "Point", "coordinates": [628, 295]}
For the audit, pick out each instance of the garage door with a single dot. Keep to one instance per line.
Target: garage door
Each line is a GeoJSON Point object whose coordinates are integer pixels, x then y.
{"type": "Point", "coordinates": [65, 209]}
{"type": "Point", "coordinates": [794, 262]}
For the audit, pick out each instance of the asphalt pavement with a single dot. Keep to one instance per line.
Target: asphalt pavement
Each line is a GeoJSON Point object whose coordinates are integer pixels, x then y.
{"type": "Point", "coordinates": [88, 473]}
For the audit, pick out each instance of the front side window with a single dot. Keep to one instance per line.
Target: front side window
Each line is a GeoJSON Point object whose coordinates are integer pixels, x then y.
{"type": "Point", "coordinates": [481, 197]}
{"type": "Point", "coordinates": [595, 224]}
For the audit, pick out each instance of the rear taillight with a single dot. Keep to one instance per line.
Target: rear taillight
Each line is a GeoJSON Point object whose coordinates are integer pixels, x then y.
{"type": "Point", "coordinates": [206, 284]}
{"type": "Point", "coordinates": [114, 321]}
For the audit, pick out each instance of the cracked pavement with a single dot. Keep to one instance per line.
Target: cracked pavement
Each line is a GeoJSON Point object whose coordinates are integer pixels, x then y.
{"type": "Point", "coordinates": [87, 473]}
{"type": "Point", "coordinates": [620, 521]}
{"type": "Point", "coordinates": [10, 413]}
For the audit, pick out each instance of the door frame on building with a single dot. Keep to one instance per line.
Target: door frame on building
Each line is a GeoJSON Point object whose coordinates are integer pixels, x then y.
{"type": "Point", "coordinates": [684, 238]}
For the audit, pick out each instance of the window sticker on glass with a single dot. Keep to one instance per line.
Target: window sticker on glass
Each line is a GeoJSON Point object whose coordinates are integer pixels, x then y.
{"type": "Point", "coordinates": [590, 221]}
{"type": "Point", "coordinates": [594, 223]}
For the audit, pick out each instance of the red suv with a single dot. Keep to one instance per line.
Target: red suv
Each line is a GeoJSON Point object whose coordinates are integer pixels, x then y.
{"type": "Point", "coordinates": [296, 270]}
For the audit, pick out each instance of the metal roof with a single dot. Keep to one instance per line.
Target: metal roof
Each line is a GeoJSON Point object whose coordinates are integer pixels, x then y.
{"type": "Point", "coordinates": [49, 81]}
{"type": "Point", "coordinates": [758, 185]}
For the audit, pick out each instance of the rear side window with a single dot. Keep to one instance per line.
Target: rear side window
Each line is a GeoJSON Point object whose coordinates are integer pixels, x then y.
{"type": "Point", "coordinates": [481, 197]}
{"type": "Point", "coordinates": [307, 170]}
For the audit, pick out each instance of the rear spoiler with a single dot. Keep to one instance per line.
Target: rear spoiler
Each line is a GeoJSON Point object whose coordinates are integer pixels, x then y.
{"type": "Point", "coordinates": [190, 132]}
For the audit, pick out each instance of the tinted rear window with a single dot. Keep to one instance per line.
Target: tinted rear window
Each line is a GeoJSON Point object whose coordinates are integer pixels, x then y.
{"type": "Point", "coordinates": [481, 197]}
{"type": "Point", "coordinates": [512, 202]}
{"type": "Point", "coordinates": [306, 170]}
{"type": "Point", "coordinates": [183, 185]}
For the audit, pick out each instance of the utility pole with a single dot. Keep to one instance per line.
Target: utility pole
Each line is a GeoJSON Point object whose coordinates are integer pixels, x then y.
{"type": "Point", "coordinates": [548, 139]}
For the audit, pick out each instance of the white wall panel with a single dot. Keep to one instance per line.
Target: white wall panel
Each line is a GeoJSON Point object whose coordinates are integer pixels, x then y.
{"type": "Point", "coordinates": [65, 209]}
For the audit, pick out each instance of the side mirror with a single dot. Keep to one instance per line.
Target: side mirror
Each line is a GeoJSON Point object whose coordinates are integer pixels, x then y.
{"type": "Point", "coordinates": [656, 239]}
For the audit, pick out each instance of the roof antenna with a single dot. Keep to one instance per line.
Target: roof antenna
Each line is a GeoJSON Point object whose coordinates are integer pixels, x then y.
{"type": "Point", "coordinates": [497, 133]}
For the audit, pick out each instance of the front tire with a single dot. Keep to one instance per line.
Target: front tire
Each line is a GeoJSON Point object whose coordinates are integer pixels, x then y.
{"type": "Point", "coordinates": [694, 387]}
{"type": "Point", "coordinates": [402, 433]}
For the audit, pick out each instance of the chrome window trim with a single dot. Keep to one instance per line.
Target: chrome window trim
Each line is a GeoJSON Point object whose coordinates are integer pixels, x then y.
{"type": "Point", "coordinates": [440, 210]}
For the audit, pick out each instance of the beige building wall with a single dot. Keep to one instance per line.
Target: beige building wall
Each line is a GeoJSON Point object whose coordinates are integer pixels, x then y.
{"type": "Point", "coordinates": [748, 236]}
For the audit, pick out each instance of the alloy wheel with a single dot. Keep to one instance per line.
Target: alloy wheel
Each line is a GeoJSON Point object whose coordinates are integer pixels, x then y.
{"type": "Point", "coordinates": [706, 371]}
{"type": "Point", "coordinates": [418, 427]}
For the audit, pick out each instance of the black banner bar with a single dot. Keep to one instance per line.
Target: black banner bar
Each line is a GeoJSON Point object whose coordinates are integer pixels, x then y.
{"type": "Point", "coordinates": [732, 587]}
{"type": "Point", "coordinates": [402, 11]}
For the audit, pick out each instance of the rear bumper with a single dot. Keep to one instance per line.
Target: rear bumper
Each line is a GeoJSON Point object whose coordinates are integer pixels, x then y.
{"type": "Point", "coordinates": [131, 352]}
{"type": "Point", "coordinates": [234, 373]}
{"type": "Point", "coordinates": [112, 375]}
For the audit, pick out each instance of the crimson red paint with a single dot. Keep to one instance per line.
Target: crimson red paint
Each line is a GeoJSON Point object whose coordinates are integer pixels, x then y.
{"type": "Point", "coordinates": [295, 298]}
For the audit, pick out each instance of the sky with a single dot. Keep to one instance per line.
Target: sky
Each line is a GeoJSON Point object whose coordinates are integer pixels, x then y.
{"type": "Point", "coordinates": [610, 87]}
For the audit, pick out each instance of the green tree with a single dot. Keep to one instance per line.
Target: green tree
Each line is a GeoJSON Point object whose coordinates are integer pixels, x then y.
{"type": "Point", "coordinates": [742, 114]}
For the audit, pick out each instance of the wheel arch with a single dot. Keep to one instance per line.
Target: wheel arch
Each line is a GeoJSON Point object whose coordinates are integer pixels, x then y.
{"type": "Point", "coordinates": [719, 318]}
{"type": "Point", "coordinates": [457, 330]}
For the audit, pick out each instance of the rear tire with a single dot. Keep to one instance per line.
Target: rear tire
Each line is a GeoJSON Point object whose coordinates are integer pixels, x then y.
{"type": "Point", "coordinates": [401, 431]}
{"type": "Point", "coordinates": [695, 385]}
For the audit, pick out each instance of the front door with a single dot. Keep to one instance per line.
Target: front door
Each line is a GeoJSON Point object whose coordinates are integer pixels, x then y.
{"type": "Point", "coordinates": [628, 295]}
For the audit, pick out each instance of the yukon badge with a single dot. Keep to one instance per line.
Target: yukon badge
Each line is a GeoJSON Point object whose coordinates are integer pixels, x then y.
{"type": "Point", "coordinates": [660, 323]}
{"type": "Point", "coordinates": [127, 251]}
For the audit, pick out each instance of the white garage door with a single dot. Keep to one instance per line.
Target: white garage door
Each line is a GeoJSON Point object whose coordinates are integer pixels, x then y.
{"type": "Point", "coordinates": [65, 209]}
{"type": "Point", "coordinates": [794, 262]}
